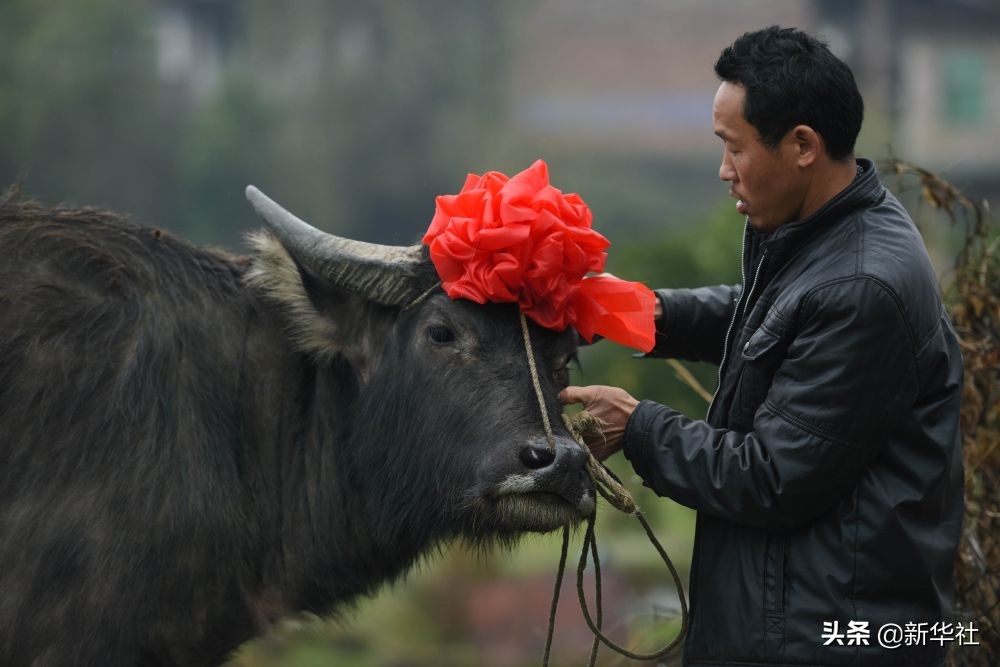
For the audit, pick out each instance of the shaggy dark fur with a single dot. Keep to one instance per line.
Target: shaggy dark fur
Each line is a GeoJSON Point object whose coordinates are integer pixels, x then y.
{"type": "Point", "coordinates": [176, 473]}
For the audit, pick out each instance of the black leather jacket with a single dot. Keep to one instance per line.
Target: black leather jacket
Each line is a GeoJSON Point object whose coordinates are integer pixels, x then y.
{"type": "Point", "coordinates": [828, 474]}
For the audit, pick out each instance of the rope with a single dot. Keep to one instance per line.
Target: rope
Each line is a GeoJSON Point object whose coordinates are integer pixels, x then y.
{"type": "Point", "coordinates": [555, 596]}
{"type": "Point", "coordinates": [549, 437]}
{"type": "Point", "coordinates": [591, 541]}
{"type": "Point", "coordinates": [582, 425]}
{"type": "Point", "coordinates": [597, 594]}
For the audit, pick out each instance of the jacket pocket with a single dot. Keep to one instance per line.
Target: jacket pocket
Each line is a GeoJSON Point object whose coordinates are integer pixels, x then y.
{"type": "Point", "coordinates": [760, 357]}
{"type": "Point", "coordinates": [760, 343]}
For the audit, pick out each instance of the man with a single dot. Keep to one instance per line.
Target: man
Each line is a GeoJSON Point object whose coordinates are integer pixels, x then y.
{"type": "Point", "coordinates": [827, 475]}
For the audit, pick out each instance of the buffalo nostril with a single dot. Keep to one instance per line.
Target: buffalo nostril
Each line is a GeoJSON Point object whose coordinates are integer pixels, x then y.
{"type": "Point", "coordinates": [536, 457]}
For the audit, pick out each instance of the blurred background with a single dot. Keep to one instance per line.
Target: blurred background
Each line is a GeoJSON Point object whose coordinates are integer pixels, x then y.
{"type": "Point", "coordinates": [355, 115]}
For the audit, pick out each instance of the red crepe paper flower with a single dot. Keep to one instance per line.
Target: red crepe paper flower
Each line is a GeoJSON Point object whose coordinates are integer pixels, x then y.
{"type": "Point", "coordinates": [519, 239]}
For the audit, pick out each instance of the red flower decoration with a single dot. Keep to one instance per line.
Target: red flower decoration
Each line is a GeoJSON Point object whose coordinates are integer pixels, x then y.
{"type": "Point", "coordinates": [520, 239]}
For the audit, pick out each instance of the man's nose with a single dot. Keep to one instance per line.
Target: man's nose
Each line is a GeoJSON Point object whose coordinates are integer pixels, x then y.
{"type": "Point", "coordinates": [726, 171]}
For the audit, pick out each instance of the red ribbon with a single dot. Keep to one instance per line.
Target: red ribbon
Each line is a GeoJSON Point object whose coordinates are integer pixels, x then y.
{"type": "Point", "coordinates": [519, 239]}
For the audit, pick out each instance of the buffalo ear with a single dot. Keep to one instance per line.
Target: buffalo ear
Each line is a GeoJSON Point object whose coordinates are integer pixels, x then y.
{"type": "Point", "coordinates": [339, 294]}
{"type": "Point", "coordinates": [322, 320]}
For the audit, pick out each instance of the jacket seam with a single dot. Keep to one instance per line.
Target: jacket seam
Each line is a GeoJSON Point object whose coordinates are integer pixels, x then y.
{"type": "Point", "coordinates": [932, 331]}
{"type": "Point", "coordinates": [763, 598]}
{"type": "Point", "coordinates": [929, 336]}
{"type": "Point", "coordinates": [644, 447]}
{"type": "Point", "coordinates": [645, 442]}
{"type": "Point", "coordinates": [808, 427]}
{"type": "Point", "coordinates": [860, 248]}
{"type": "Point", "coordinates": [776, 312]}
{"type": "Point", "coordinates": [885, 288]}
{"type": "Point", "coordinates": [668, 317]}
{"type": "Point", "coordinates": [854, 577]}
{"type": "Point", "coordinates": [770, 330]}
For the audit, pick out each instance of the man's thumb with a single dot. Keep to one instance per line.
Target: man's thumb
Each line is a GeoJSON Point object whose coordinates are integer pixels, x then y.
{"type": "Point", "coordinates": [571, 395]}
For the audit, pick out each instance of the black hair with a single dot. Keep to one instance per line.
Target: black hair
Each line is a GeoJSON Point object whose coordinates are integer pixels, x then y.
{"type": "Point", "coordinates": [792, 78]}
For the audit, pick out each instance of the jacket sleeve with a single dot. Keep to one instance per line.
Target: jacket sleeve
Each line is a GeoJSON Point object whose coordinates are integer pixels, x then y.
{"type": "Point", "coordinates": [694, 322]}
{"type": "Point", "coordinates": [844, 381]}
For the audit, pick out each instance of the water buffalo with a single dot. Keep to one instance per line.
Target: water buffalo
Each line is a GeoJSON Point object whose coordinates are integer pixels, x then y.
{"type": "Point", "coordinates": [195, 444]}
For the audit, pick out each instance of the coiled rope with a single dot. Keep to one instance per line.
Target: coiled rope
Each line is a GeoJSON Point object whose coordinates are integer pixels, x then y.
{"type": "Point", "coordinates": [583, 425]}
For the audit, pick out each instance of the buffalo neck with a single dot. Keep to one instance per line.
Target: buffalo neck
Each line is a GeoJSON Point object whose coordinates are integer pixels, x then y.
{"type": "Point", "coordinates": [320, 483]}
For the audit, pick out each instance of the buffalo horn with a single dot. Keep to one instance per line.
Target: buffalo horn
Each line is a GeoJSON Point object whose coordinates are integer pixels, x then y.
{"type": "Point", "coordinates": [381, 273]}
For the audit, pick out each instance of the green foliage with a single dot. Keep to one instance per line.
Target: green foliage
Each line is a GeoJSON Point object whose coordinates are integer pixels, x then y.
{"type": "Point", "coordinates": [382, 106]}
{"type": "Point", "coordinates": [359, 113]}
{"type": "Point", "coordinates": [224, 148]}
{"type": "Point", "coordinates": [693, 255]}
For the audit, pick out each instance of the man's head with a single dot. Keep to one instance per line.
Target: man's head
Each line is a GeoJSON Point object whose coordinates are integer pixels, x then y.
{"type": "Point", "coordinates": [788, 112]}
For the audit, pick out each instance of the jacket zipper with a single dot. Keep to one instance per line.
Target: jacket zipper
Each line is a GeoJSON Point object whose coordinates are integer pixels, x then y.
{"type": "Point", "coordinates": [738, 311]}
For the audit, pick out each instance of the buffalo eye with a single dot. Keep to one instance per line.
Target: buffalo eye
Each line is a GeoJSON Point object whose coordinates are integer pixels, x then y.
{"type": "Point", "coordinates": [560, 370]}
{"type": "Point", "coordinates": [563, 362]}
{"type": "Point", "coordinates": [440, 334]}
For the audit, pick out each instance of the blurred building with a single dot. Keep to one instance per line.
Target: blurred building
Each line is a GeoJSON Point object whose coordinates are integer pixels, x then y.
{"type": "Point", "coordinates": [944, 88]}
{"type": "Point", "coordinates": [630, 79]}
{"type": "Point", "coordinates": [637, 79]}
{"type": "Point", "coordinates": [627, 86]}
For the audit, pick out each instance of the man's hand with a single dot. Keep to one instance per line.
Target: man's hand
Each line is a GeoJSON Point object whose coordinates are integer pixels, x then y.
{"type": "Point", "coordinates": [610, 404]}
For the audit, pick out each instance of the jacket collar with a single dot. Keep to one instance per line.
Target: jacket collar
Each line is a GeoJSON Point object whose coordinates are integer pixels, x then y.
{"type": "Point", "coordinates": [864, 191]}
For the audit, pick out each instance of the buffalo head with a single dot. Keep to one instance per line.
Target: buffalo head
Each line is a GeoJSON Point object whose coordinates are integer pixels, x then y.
{"type": "Point", "coordinates": [444, 421]}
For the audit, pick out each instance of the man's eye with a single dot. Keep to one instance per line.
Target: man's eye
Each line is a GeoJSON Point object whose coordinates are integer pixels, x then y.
{"type": "Point", "coordinates": [440, 334]}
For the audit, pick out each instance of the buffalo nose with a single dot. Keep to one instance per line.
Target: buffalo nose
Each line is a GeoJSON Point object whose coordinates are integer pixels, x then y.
{"type": "Point", "coordinates": [537, 456]}
{"type": "Point", "coordinates": [567, 457]}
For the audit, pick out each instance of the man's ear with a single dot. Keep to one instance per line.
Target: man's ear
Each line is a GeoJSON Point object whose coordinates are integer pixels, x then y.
{"type": "Point", "coordinates": [808, 145]}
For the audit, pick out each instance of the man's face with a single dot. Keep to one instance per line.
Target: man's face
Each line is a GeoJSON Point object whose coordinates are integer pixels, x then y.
{"type": "Point", "coordinates": [768, 184]}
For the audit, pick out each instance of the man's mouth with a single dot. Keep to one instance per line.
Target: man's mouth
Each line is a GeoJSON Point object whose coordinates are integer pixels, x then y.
{"type": "Point", "coordinates": [741, 205]}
